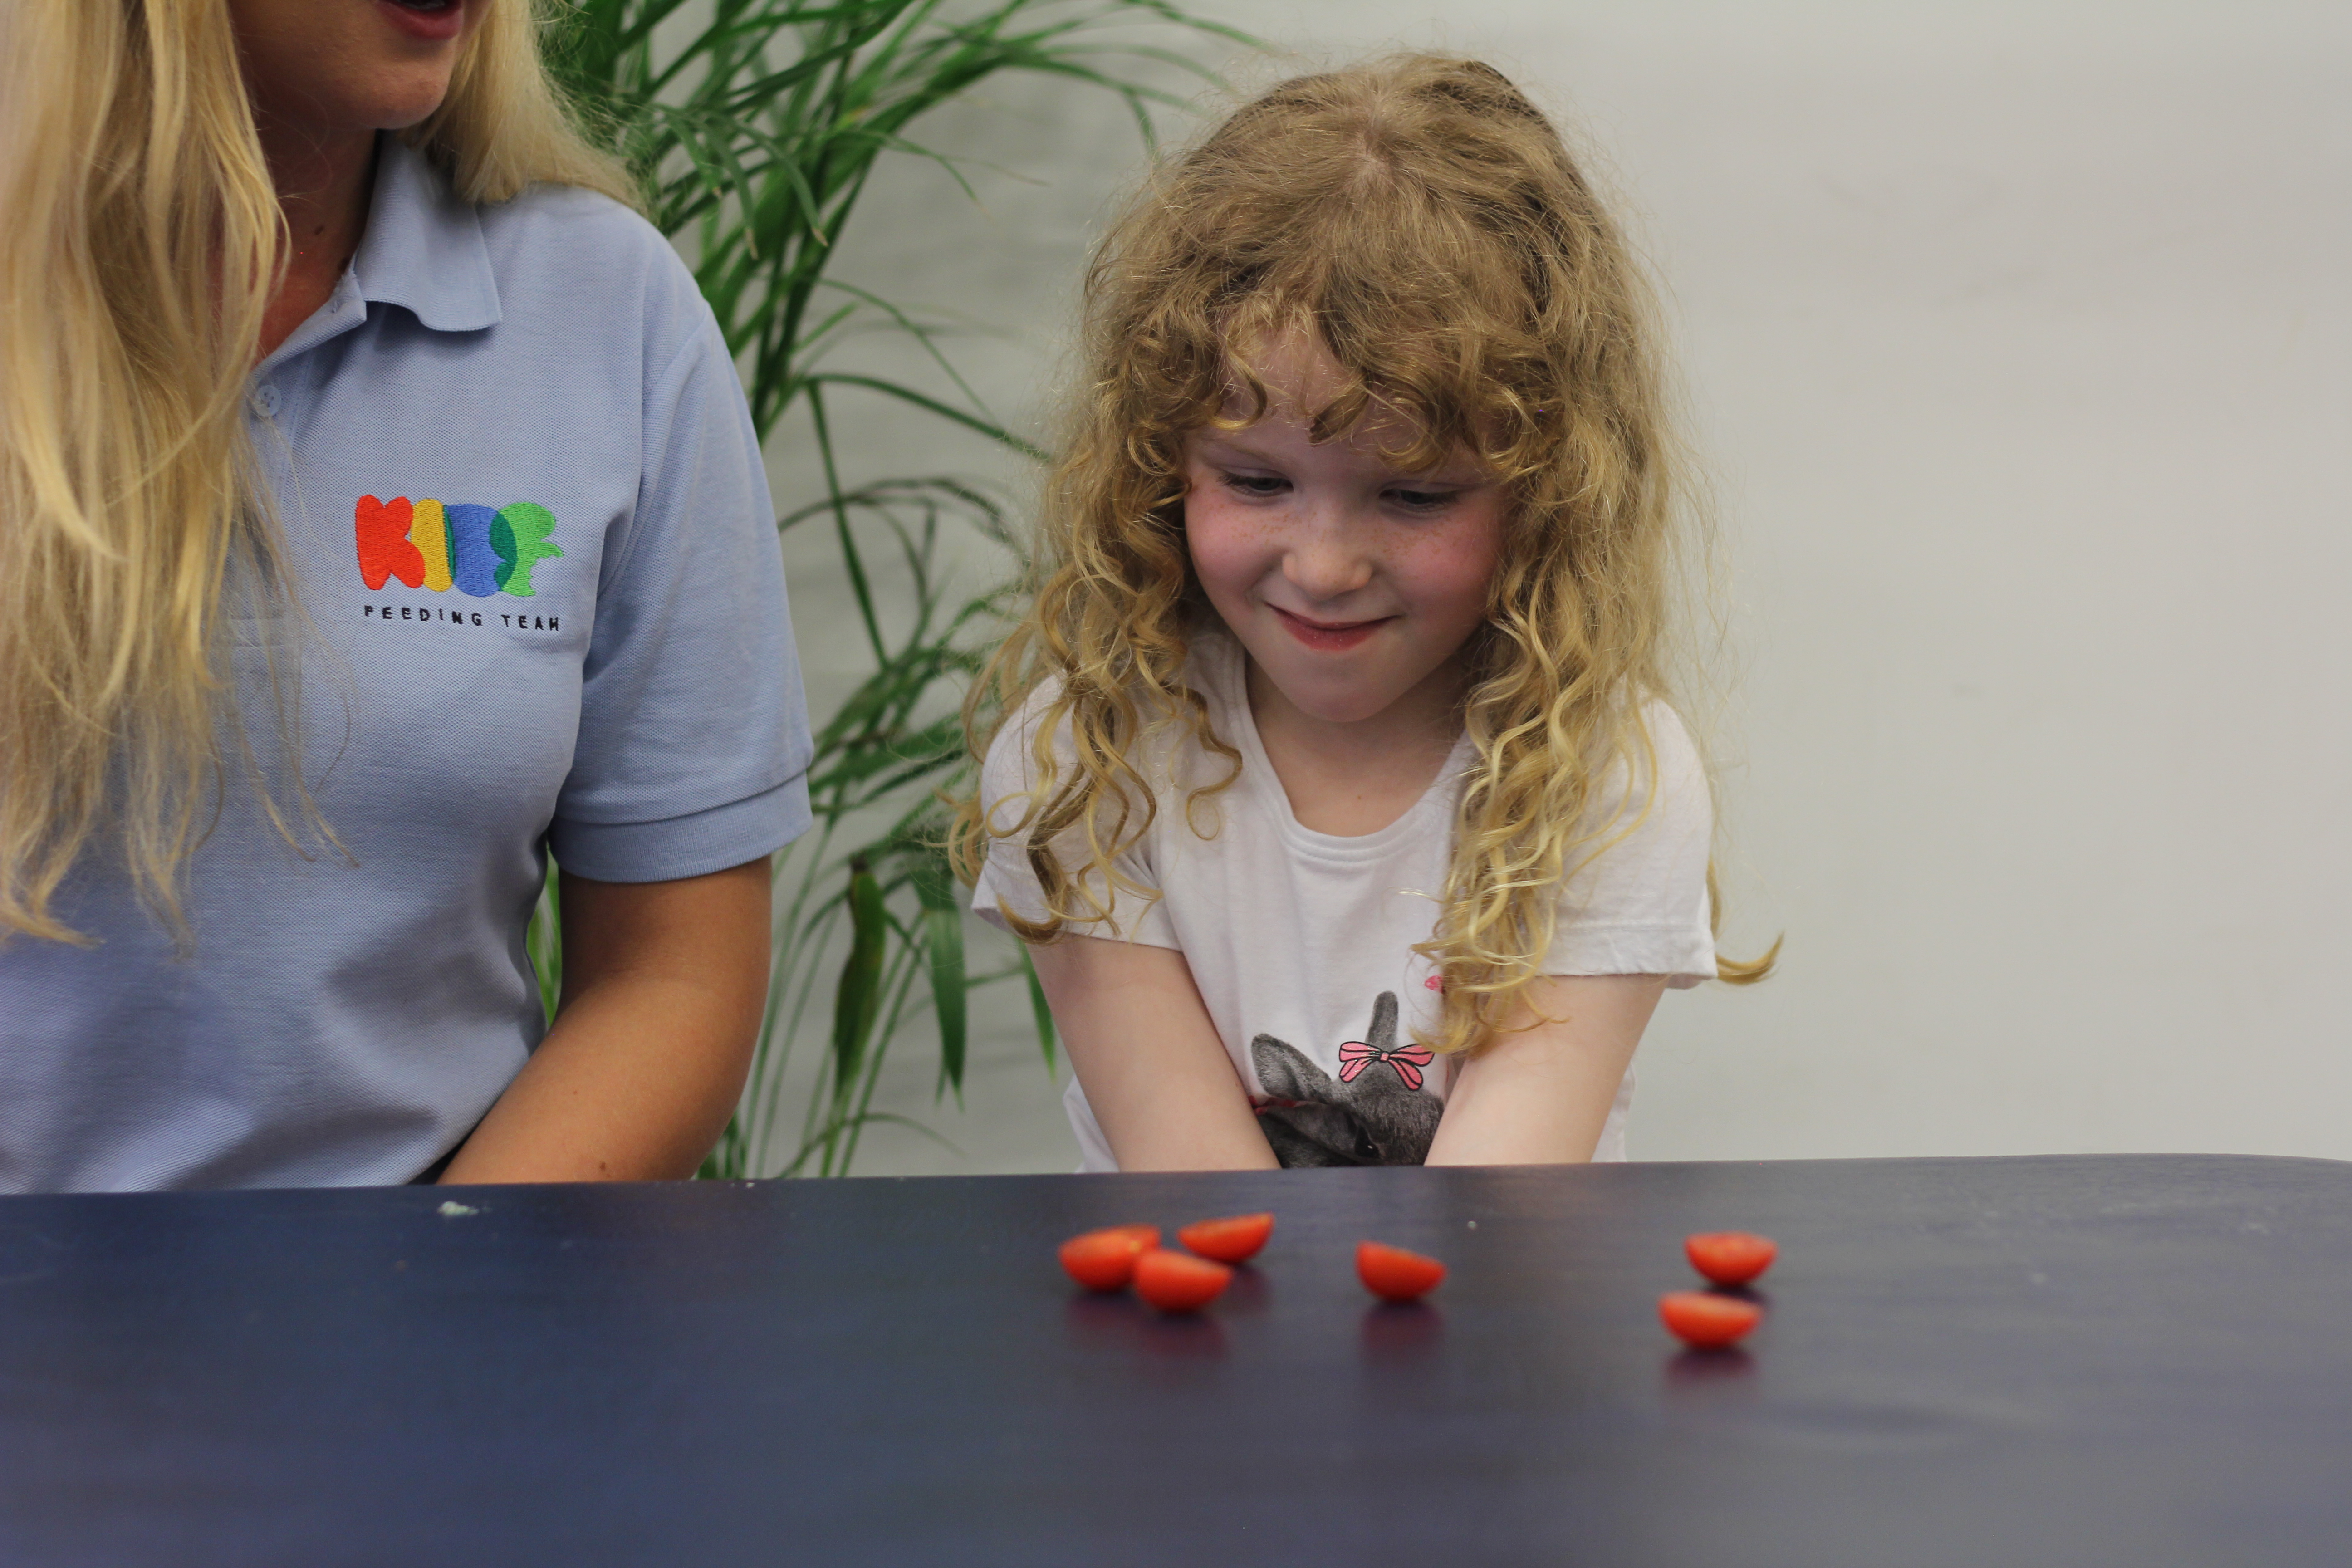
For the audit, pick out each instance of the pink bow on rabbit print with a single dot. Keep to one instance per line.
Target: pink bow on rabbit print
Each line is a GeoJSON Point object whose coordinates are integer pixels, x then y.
{"type": "Point", "coordinates": [1355, 1056]}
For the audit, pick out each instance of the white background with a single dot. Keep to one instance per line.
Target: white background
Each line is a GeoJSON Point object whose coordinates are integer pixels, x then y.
{"type": "Point", "coordinates": [2015, 341]}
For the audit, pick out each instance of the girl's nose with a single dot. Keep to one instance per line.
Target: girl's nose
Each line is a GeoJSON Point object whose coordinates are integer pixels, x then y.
{"type": "Point", "coordinates": [1327, 560]}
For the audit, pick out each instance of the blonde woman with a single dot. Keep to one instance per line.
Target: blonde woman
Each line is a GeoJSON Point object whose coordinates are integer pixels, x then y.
{"type": "Point", "coordinates": [1337, 790]}
{"type": "Point", "coordinates": [378, 510]}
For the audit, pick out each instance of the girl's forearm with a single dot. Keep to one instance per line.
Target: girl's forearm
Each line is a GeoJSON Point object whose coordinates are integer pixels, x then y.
{"type": "Point", "coordinates": [1540, 1093]}
{"type": "Point", "coordinates": [1155, 1073]}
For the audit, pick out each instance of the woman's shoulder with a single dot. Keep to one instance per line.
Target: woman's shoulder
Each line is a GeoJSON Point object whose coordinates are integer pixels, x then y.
{"type": "Point", "coordinates": [572, 219]}
{"type": "Point", "coordinates": [577, 256]}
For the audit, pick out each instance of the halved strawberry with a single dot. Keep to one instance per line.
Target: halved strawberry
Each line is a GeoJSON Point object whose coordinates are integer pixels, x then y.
{"type": "Point", "coordinates": [1706, 1319]}
{"type": "Point", "coordinates": [1234, 1240]}
{"type": "Point", "coordinates": [1104, 1260]}
{"type": "Point", "coordinates": [1730, 1257]}
{"type": "Point", "coordinates": [1396, 1275]}
{"type": "Point", "coordinates": [1174, 1282]}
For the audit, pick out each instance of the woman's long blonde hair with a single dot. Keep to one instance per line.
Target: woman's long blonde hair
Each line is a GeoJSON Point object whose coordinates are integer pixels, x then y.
{"type": "Point", "coordinates": [1424, 221]}
{"type": "Point", "coordinates": [140, 240]}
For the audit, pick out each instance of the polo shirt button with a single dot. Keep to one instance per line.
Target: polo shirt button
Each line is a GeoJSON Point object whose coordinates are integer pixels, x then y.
{"type": "Point", "coordinates": [265, 400]}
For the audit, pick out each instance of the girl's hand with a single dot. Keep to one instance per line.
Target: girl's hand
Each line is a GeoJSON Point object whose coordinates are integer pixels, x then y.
{"type": "Point", "coordinates": [1149, 1057]}
{"type": "Point", "coordinates": [1540, 1091]}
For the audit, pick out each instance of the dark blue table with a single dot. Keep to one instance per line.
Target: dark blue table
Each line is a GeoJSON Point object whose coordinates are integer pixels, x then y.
{"type": "Point", "coordinates": [2036, 1362]}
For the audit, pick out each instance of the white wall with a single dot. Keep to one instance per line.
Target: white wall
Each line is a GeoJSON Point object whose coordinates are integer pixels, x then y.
{"type": "Point", "coordinates": [2017, 343]}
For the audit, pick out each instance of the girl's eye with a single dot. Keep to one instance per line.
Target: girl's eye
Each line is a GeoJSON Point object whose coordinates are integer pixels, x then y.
{"type": "Point", "coordinates": [1256, 484]}
{"type": "Point", "coordinates": [1423, 500]}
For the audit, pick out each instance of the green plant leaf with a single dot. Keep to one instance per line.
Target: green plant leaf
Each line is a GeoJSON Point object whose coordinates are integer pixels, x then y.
{"type": "Point", "coordinates": [858, 997]}
{"type": "Point", "coordinates": [987, 427]}
{"type": "Point", "coordinates": [815, 1151]}
{"type": "Point", "coordinates": [1040, 1012]}
{"type": "Point", "coordinates": [943, 944]}
{"type": "Point", "coordinates": [754, 126]}
{"type": "Point", "coordinates": [543, 941]}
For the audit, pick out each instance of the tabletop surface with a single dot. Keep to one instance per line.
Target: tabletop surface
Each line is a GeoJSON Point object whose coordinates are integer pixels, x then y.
{"type": "Point", "coordinates": [2045, 1362]}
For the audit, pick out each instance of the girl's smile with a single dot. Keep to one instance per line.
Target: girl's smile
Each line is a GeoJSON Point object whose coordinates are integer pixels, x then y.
{"type": "Point", "coordinates": [1332, 638]}
{"type": "Point", "coordinates": [1353, 584]}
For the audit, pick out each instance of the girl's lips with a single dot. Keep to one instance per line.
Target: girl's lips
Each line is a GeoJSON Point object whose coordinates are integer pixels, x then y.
{"type": "Point", "coordinates": [436, 25]}
{"type": "Point", "coordinates": [1331, 638]}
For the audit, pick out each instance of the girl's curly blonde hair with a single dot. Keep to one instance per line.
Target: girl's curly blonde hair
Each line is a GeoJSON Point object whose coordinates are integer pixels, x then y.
{"type": "Point", "coordinates": [1424, 221]}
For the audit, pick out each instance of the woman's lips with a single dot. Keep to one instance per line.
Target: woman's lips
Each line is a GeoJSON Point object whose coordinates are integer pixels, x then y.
{"type": "Point", "coordinates": [437, 25]}
{"type": "Point", "coordinates": [1329, 636]}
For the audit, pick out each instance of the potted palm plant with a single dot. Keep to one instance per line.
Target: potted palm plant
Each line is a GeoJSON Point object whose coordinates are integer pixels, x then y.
{"type": "Point", "coordinates": [754, 126]}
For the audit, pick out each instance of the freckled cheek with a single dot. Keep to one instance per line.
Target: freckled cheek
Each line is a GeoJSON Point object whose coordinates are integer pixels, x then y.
{"type": "Point", "coordinates": [1448, 574]}
{"type": "Point", "coordinates": [1230, 550]}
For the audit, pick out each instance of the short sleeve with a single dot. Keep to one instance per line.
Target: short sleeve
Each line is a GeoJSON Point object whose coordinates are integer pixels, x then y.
{"type": "Point", "coordinates": [1006, 883]}
{"type": "Point", "coordinates": [1640, 906]}
{"type": "Point", "coordinates": [693, 747]}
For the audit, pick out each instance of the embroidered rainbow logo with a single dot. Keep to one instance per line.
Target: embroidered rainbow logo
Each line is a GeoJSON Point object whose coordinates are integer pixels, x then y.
{"type": "Point", "coordinates": [476, 549]}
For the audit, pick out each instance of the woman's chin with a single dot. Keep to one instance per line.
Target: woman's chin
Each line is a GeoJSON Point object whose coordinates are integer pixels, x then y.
{"type": "Point", "coordinates": [397, 95]}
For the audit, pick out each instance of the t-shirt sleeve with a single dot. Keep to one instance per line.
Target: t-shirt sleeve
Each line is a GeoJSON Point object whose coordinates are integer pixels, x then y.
{"type": "Point", "coordinates": [1640, 906]}
{"type": "Point", "coordinates": [1007, 882]}
{"type": "Point", "coordinates": [694, 748]}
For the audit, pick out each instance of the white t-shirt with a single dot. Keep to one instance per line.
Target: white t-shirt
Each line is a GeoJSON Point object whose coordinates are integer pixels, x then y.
{"type": "Point", "coordinates": [1304, 940]}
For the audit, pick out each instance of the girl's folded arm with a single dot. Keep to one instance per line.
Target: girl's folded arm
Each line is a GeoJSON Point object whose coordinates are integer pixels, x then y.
{"type": "Point", "coordinates": [1540, 1091]}
{"type": "Point", "coordinates": [1144, 1047]}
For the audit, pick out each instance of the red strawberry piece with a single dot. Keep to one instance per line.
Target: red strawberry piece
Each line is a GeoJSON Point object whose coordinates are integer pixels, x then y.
{"type": "Point", "coordinates": [1176, 1282]}
{"type": "Point", "coordinates": [1396, 1275]}
{"type": "Point", "coordinates": [1104, 1260]}
{"type": "Point", "coordinates": [1730, 1257]}
{"type": "Point", "coordinates": [1234, 1240]}
{"type": "Point", "coordinates": [1707, 1320]}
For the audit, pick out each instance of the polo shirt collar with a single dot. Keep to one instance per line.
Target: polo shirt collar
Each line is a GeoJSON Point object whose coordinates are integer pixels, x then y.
{"type": "Point", "coordinates": [424, 249]}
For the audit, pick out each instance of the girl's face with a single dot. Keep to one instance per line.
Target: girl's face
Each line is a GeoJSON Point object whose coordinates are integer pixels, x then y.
{"type": "Point", "coordinates": [346, 66]}
{"type": "Point", "coordinates": [1353, 584]}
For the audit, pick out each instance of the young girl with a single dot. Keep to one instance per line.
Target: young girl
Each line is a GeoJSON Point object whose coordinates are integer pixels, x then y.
{"type": "Point", "coordinates": [1334, 787]}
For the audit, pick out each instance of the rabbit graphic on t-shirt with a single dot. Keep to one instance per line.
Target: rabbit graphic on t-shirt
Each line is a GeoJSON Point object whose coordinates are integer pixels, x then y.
{"type": "Point", "coordinates": [1373, 1113]}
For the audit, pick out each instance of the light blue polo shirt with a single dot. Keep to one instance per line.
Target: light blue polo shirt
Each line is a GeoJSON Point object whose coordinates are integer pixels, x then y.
{"type": "Point", "coordinates": [542, 604]}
